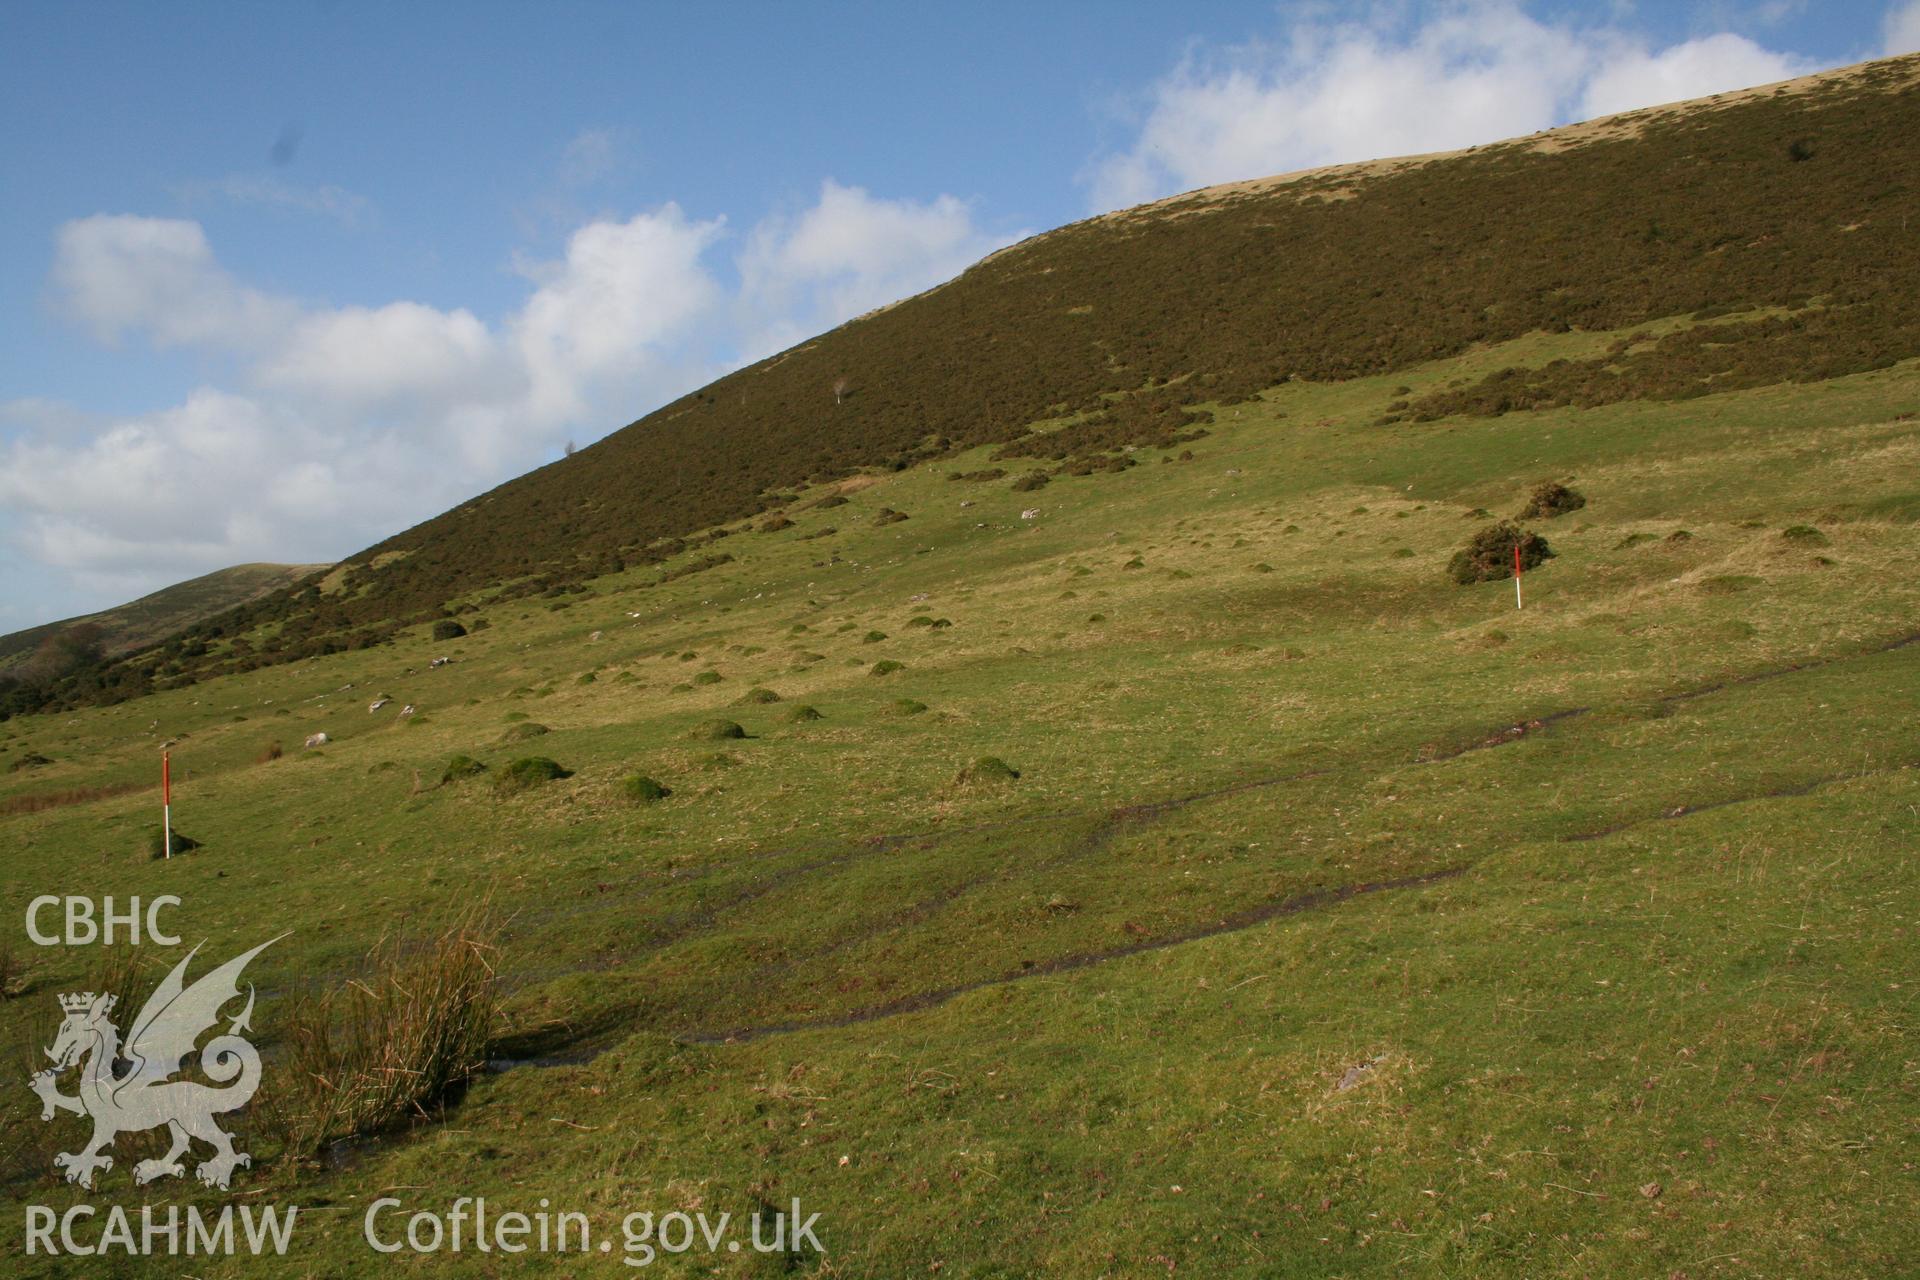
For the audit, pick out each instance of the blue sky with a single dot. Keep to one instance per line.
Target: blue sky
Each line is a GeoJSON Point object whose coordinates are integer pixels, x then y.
{"type": "Point", "coordinates": [280, 280]}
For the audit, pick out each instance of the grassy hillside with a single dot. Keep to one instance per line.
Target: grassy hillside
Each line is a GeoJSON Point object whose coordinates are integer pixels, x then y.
{"type": "Point", "coordinates": [1339, 920]}
{"type": "Point", "coordinates": [1785, 215]}
{"type": "Point", "coordinates": [154, 617]}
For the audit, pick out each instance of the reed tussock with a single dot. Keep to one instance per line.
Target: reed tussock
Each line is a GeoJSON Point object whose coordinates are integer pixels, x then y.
{"type": "Point", "coordinates": [388, 1048]}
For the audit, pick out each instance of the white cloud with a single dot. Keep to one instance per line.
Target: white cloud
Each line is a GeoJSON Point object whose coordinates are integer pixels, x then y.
{"type": "Point", "coordinates": [352, 422]}
{"type": "Point", "coordinates": [626, 294]}
{"type": "Point", "coordinates": [847, 254]}
{"type": "Point", "coordinates": [589, 156]}
{"type": "Point", "coordinates": [1346, 91]}
{"type": "Point", "coordinates": [1712, 64]}
{"type": "Point", "coordinates": [1902, 29]}
{"type": "Point", "coordinates": [119, 272]}
{"type": "Point", "coordinates": [400, 354]}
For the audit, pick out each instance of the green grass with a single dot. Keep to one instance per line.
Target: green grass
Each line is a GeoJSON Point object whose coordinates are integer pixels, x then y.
{"type": "Point", "coordinates": [1602, 909]}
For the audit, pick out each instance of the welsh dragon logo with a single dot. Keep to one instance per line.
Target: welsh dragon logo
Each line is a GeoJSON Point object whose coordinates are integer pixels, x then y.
{"type": "Point", "coordinates": [129, 1087]}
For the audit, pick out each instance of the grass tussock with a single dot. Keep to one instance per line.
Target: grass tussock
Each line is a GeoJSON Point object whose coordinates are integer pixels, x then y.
{"type": "Point", "coordinates": [986, 771]}
{"type": "Point", "coordinates": [638, 788]}
{"type": "Point", "coordinates": [387, 1049]}
{"type": "Point", "coordinates": [153, 842]}
{"type": "Point", "coordinates": [528, 772]}
{"type": "Point", "coordinates": [461, 766]}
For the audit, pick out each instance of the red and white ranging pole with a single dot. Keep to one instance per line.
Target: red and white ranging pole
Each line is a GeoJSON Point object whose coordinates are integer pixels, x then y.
{"type": "Point", "coordinates": [166, 802]}
{"type": "Point", "coordinates": [1516, 577]}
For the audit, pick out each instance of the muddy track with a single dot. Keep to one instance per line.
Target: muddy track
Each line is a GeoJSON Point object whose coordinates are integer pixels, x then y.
{"type": "Point", "coordinates": [1791, 669]}
{"type": "Point", "coordinates": [1784, 792]}
{"type": "Point", "coordinates": [665, 932]}
{"type": "Point", "coordinates": [1235, 923]}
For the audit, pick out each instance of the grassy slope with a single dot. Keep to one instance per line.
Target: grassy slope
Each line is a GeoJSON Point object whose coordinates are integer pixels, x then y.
{"type": "Point", "coordinates": [1710, 999]}
{"type": "Point", "coordinates": [153, 617]}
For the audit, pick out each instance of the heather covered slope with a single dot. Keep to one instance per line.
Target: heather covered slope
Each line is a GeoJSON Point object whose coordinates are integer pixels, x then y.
{"type": "Point", "coordinates": [1792, 205]}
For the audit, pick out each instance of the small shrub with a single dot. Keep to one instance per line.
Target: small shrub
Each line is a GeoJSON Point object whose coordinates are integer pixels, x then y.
{"type": "Point", "coordinates": [991, 473]}
{"type": "Point", "coordinates": [986, 770]}
{"type": "Point", "coordinates": [153, 841]}
{"type": "Point", "coordinates": [1678, 536]}
{"type": "Point", "coordinates": [1804, 535]}
{"type": "Point", "coordinates": [718, 731]}
{"type": "Point", "coordinates": [906, 707]}
{"type": "Point", "coordinates": [461, 766]}
{"type": "Point", "coordinates": [1550, 498]}
{"type": "Point", "coordinates": [715, 760]}
{"type": "Point", "coordinates": [708, 677]}
{"type": "Point", "coordinates": [776, 524]}
{"type": "Point", "coordinates": [528, 772]}
{"type": "Point", "coordinates": [758, 697]}
{"type": "Point", "coordinates": [873, 637]}
{"type": "Point", "coordinates": [638, 788]}
{"type": "Point", "coordinates": [31, 760]}
{"type": "Point", "coordinates": [1488, 557]}
{"type": "Point", "coordinates": [803, 714]}
{"type": "Point", "coordinates": [587, 677]}
{"type": "Point", "coordinates": [1030, 481]}
{"type": "Point", "coordinates": [269, 753]}
{"type": "Point", "coordinates": [888, 516]}
{"type": "Point", "coordinates": [886, 667]}
{"type": "Point", "coordinates": [522, 732]}
{"type": "Point", "coordinates": [448, 629]}
{"type": "Point", "coordinates": [830, 501]}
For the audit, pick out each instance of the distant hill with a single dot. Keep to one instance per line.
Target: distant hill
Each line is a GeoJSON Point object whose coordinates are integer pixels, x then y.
{"type": "Point", "coordinates": [1789, 208]}
{"type": "Point", "coordinates": [127, 627]}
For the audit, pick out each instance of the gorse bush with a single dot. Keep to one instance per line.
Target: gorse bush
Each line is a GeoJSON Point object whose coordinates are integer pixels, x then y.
{"type": "Point", "coordinates": [1551, 498]}
{"type": "Point", "coordinates": [1488, 557]}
